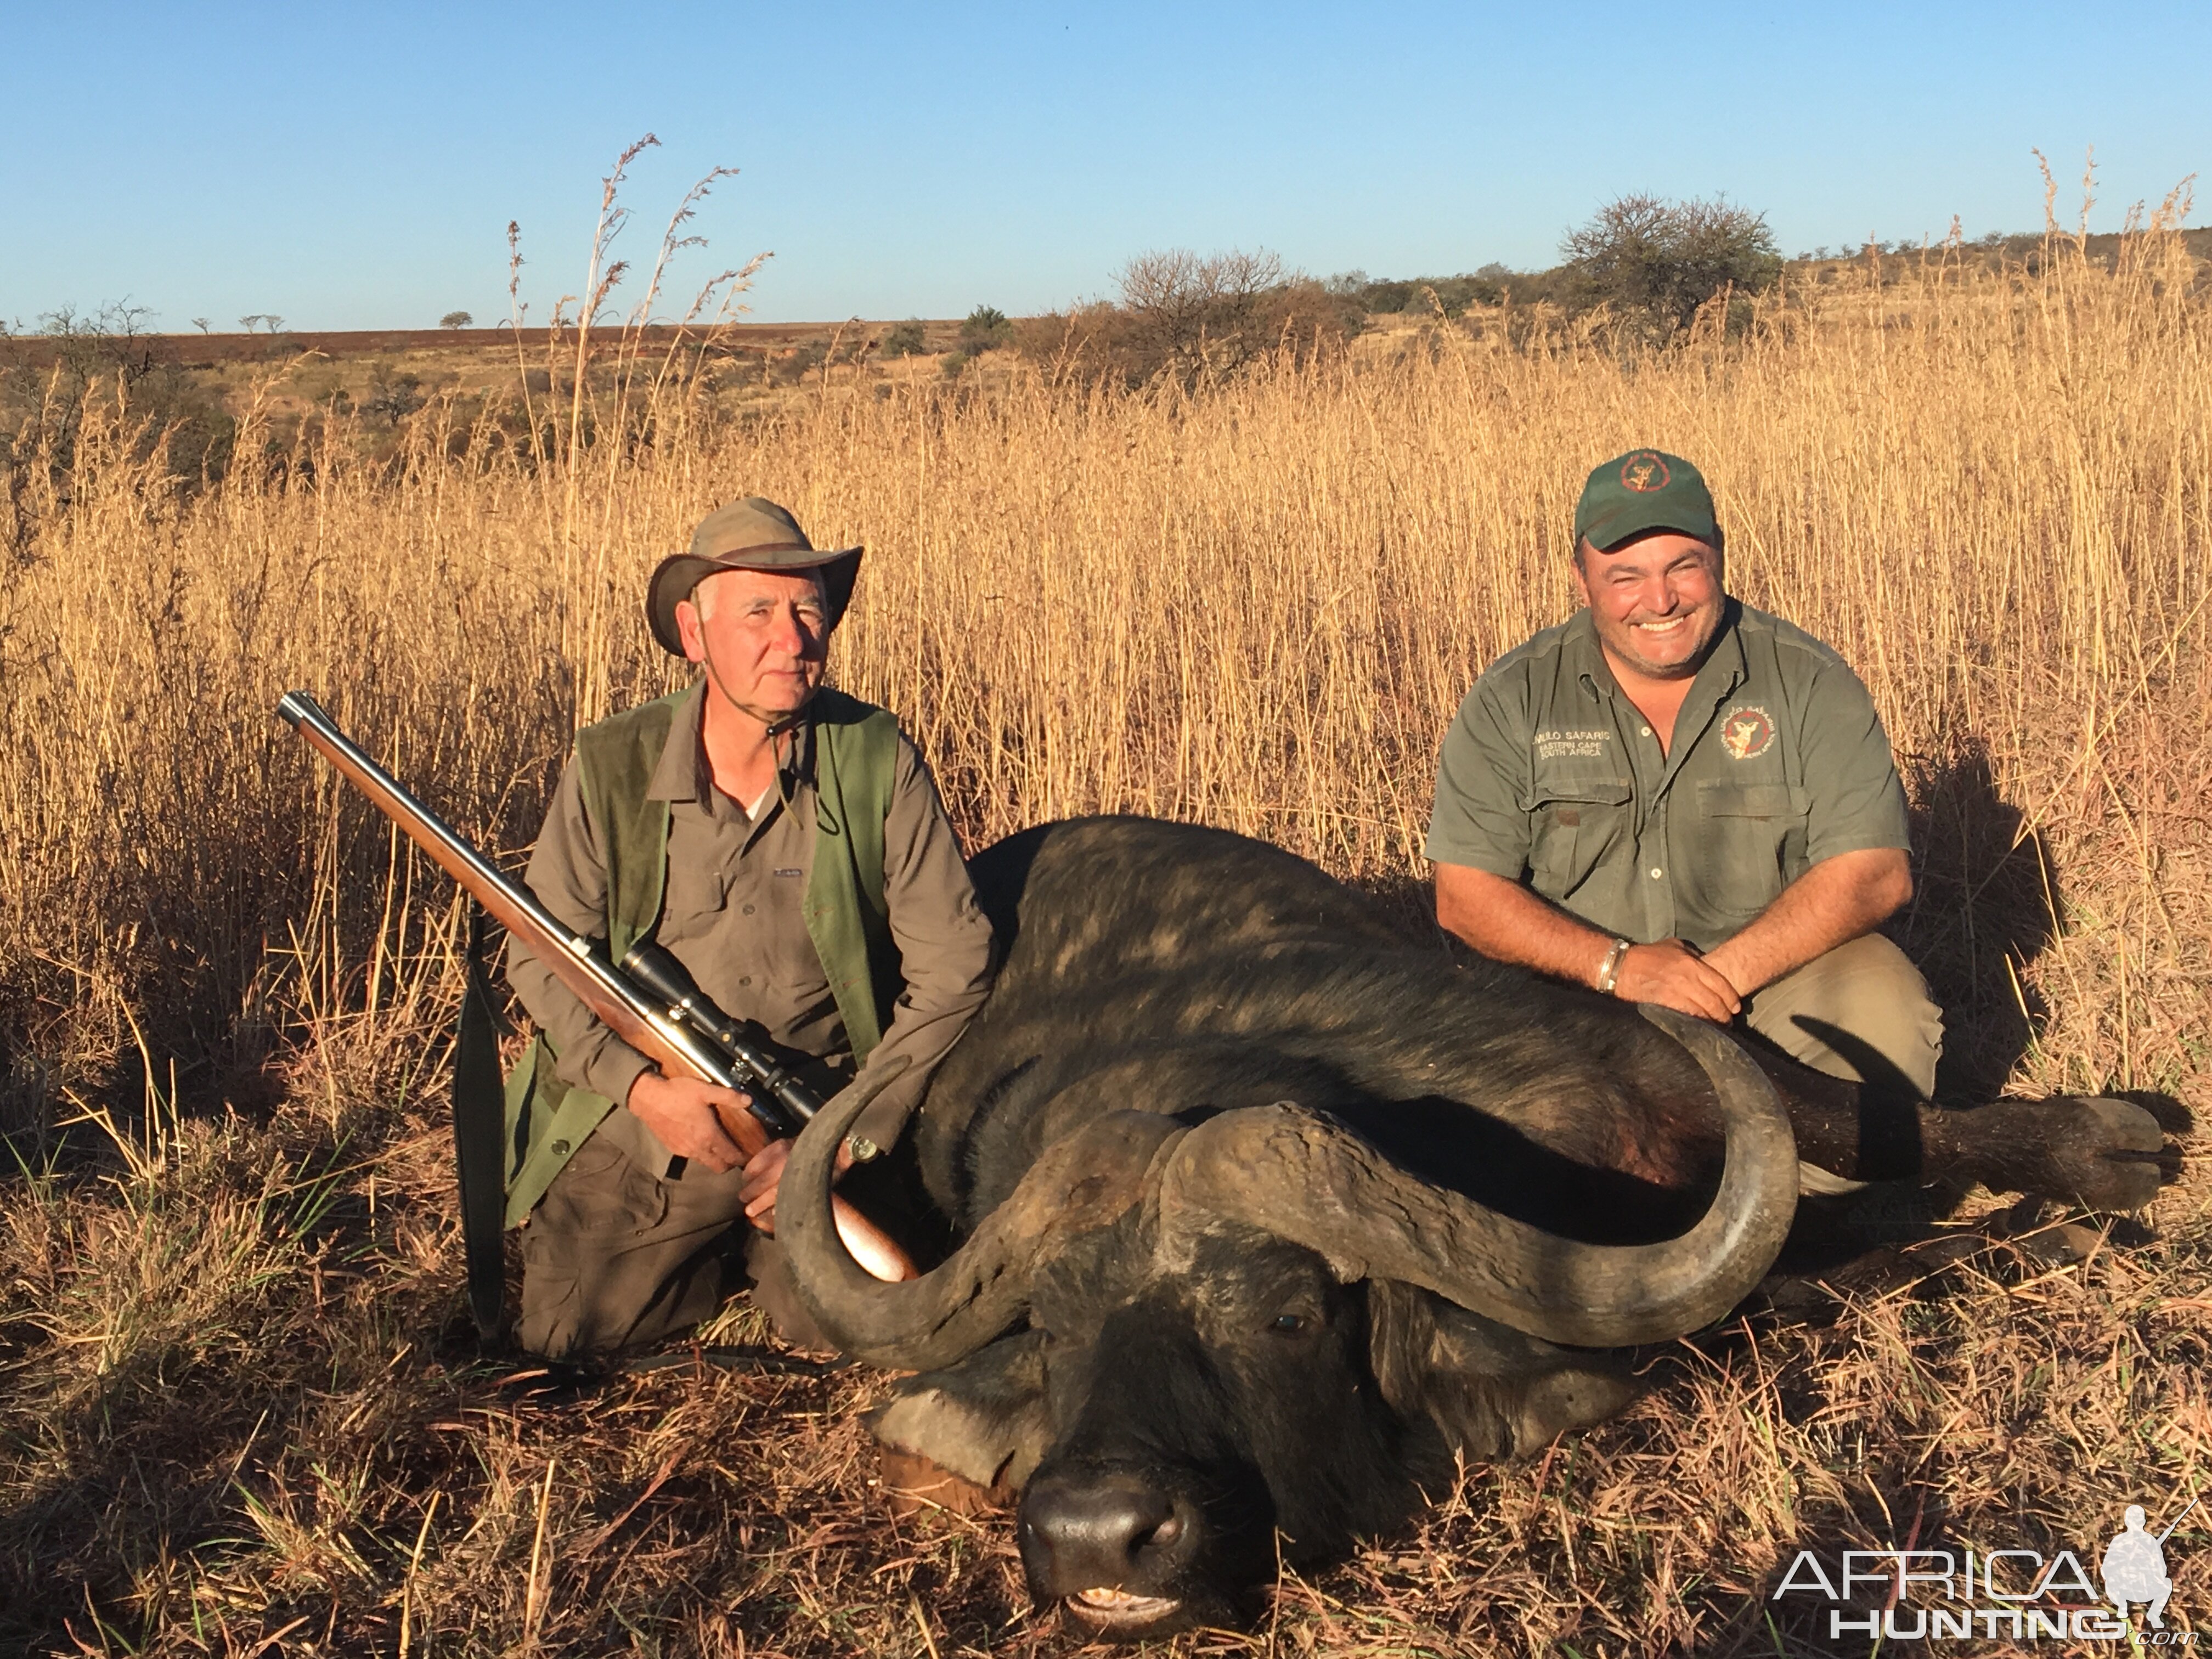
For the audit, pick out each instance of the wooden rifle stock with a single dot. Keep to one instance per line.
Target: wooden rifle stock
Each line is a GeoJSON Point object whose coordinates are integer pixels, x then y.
{"type": "Point", "coordinates": [613, 998]}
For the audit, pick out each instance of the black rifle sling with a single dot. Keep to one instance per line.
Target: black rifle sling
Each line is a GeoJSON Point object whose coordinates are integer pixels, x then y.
{"type": "Point", "coordinates": [479, 1123]}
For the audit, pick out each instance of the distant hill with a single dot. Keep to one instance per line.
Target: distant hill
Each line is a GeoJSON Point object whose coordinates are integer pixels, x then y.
{"type": "Point", "coordinates": [196, 350]}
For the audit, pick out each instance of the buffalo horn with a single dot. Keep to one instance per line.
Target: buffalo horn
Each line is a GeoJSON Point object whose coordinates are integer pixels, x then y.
{"type": "Point", "coordinates": [1298, 1174]}
{"type": "Point", "coordinates": [1082, 1181]}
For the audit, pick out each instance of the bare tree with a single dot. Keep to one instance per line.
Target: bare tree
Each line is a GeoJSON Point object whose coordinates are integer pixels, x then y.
{"type": "Point", "coordinates": [98, 353]}
{"type": "Point", "coordinates": [1184, 316]}
{"type": "Point", "coordinates": [1182, 313]}
{"type": "Point", "coordinates": [115, 333]}
{"type": "Point", "coordinates": [1656, 261]}
{"type": "Point", "coordinates": [1182, 308]}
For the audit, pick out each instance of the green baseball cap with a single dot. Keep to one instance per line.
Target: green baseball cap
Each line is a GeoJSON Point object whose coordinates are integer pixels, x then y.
{"type": "Point", "coordinates": [752, 534]}
{"type": "Point", "coordinates": [1643, 490]}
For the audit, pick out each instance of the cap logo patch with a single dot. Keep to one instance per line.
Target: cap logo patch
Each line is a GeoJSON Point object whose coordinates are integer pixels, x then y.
{"type": "Point", "coordinates": [1747, 733]}
{"type": "Point", "coordinates": [1644, 472]}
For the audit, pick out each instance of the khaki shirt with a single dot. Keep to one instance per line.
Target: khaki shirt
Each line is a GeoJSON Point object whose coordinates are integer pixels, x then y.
{"type": "Point", "coordinates": [731, 913]}
{"type": "Point", "coordinates": [1550, 774]}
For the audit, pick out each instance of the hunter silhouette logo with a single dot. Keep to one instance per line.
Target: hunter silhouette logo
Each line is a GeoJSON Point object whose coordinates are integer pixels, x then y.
{"type": "Point", "coordinates": [1644, 471]}
{"type": "Point", "coordinates": [1746, 733]}
{"type": "Point", "coordinates": [2134, 1567]}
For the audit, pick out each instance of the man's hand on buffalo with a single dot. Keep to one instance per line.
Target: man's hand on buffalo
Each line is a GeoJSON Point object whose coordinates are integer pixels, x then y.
{"type": "Point", "coordinates": [1672, 974]}
{"type": "Point", "coordinates": [765, 1173]}
{"type": "Point", "coordinates": [688, 1117]}
{"type": "Point", "coordinates": [763, 1176]}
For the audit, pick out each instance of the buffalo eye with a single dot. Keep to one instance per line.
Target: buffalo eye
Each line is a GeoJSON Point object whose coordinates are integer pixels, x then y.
{"type": "Point", "coordinates": [1290, 1324]}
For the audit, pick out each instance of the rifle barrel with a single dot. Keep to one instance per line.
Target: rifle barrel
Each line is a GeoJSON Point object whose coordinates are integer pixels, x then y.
{"type": "Point", "coordinates": [305, 716]}
{"type": "Point", "coordinates": [646, 1026]}
{"type": "Point", "coordinates": [2178, 1520]}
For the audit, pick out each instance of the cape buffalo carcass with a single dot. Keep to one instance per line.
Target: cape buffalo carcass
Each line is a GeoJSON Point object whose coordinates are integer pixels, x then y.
{"type": "Point", "coordinates": [1266, 1210]}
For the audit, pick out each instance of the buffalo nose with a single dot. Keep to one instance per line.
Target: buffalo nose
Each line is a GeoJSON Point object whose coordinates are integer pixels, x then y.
{"type": "Point", "coordinates": [1087, 1531]}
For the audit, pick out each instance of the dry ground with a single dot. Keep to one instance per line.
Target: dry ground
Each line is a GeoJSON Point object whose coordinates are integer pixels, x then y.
{"type": "Point", "coordinates": [241, 1411]}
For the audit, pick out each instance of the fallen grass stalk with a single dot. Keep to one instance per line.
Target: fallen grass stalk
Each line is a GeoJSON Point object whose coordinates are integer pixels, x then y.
{"type": "Point", "coordinates": [414, 1567]}
{"type": "Point", "coordinates": [536, 1603]}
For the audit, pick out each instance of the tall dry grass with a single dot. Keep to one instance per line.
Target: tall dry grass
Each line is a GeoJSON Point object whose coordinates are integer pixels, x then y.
{"type": "Point", "coordinates": [232, 1377]}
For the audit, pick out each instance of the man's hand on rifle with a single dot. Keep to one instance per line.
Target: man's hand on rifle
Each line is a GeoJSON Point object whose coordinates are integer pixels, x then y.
{"type": "Point", "coordinates": [688, 1116]}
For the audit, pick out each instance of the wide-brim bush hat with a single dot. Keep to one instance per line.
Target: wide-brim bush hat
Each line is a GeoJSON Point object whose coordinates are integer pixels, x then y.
{"type": "Point", "coordinates": [752, 534]}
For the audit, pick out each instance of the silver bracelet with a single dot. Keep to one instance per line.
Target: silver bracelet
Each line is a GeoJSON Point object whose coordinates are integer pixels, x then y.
{"type": "Point", "coordinates": [1608, 971]}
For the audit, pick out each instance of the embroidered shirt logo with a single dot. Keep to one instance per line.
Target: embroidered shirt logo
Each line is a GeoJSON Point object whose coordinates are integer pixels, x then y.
{"type": "Point", "coordinates": [791, 873]}
{"type": "Point", "coordinates": [1746, 734]}
{"type": "Point", "coordinates": [1644, 471]}
{"type": "Point", "coordinates": [1581, 745]}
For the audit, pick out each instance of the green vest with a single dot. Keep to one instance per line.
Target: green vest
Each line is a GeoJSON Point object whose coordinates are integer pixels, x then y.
{"type": "Point", "coordinates": [855, 767]}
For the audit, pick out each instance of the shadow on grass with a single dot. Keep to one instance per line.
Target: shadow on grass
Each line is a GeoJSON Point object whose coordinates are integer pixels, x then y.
{"type": "Point", "coordinates": [1986, 897]}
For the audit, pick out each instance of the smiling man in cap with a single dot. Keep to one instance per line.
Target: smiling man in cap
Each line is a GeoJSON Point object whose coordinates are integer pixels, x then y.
{"type": "Point", "coordinates": [1675, 798]}
{"type": "Point", "coordinates": [786, 845]}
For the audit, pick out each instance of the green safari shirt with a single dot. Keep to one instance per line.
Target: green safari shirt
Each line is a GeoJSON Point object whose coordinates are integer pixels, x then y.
{"type": "Point", "coordinates": [1551, 775]}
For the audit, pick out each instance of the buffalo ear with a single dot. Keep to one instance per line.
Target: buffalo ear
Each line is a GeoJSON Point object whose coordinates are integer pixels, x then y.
{"type": "Point", "coordinates": [984, 1419]}
{"type": "Point", "coordinates": [1491, 1390]}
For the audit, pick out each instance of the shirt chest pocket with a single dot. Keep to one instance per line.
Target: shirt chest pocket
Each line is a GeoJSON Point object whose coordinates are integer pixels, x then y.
{"type": "Point", "coordinates": [1751, 843]}
{"type": "Point", "coordinates": [692, 907]}
{"type": "Point", "coordinates": [1575, 825]}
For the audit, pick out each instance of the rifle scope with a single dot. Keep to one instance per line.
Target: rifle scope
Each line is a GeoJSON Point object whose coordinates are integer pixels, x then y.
{"type": "Point", "coordinates": [745, 1042]}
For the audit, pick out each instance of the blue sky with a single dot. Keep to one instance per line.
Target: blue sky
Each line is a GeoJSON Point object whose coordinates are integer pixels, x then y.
{"type": "Point", "coordinates": [350, 166]}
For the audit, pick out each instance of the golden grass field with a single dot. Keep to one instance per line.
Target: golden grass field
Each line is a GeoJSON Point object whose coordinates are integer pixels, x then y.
{"type": "Point", "coordinates": [241, 1408]}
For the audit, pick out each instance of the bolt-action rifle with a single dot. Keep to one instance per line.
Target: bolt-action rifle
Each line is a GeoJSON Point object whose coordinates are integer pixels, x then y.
{"type": "Point", "coordinates": [648, 1000]}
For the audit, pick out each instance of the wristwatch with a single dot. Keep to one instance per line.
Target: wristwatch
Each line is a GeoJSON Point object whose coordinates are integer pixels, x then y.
{"type": "Point", "coordinates": [1608, 971]}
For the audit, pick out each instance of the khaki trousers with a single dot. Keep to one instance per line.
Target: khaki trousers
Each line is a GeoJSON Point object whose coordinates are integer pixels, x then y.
{"type": "Point", "coordinates": [613, 1257]}
{"type": "Point", "coordinates": [1862, 1012]}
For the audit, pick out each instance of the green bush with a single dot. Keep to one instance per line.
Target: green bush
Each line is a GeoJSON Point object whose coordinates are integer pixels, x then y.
{"type": "Point", "coordinates": [984, 330]}
{"type": "Point", "coordinates": [392, 396]}
{"type": "Point", "coordinates": [1419, 295]}
{"type": "Point", "coordinates": [904, 339]}
{"type": "Point", "coordinates": [800, 363]}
